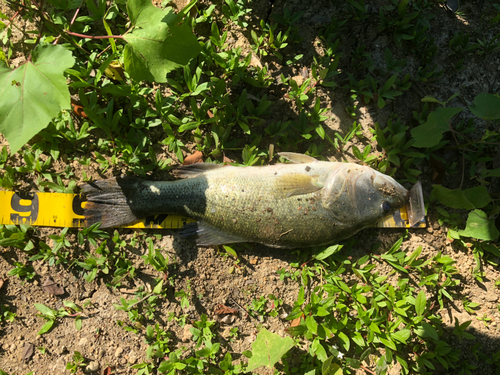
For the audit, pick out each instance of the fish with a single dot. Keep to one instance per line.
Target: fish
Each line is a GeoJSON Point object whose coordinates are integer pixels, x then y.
{"type": "Point", "coordinates": [288, 205]}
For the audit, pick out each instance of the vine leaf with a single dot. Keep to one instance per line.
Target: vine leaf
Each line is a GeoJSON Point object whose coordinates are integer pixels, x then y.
{"type": "Point", "coordinates": [159, 42]}
{"type": "Point", "coordinates": [479, 226]}
{"type": "Point", "coordinates": [486, 106]}
{"type": "Point", "coordinates": [33, 94]}
{"type": "Point", "coordinates": [268, 349]}
{"type": "Point", "coordinates": [430, 133]}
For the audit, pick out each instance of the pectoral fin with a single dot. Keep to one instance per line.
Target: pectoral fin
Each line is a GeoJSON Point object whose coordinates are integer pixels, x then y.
{"type": "Point", "coordinates": [297, 184]}
{"type": "Point", "coordinates": [297, 158]}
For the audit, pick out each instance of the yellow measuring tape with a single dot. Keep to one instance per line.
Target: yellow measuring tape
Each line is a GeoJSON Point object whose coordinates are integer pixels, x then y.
{"type": "Point", "coordinates": [65, 210]}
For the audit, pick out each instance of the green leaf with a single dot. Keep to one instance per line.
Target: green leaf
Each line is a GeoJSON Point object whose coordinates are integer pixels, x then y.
{"type": "Point", "coordinates": [331, 368]}
{"type": "Point", "coordinates": [430, 331]}
{"type": "Point", "coordinates": [486, 106]}
{"type": "Point", "coordinates": [480, 227]}
{"type": "Point", "coordinates": [33, 94]}
{"type": "Point", "coordinates": [158, 43]}
{"type": "Point", "coordinates": [389, 343]}
{"type": "Point", "coordinates": [420, 303]}
{"type": "Point", "coordinates": [78, 323]}
{"type": "Point", "coordinates": [157, 289]}
{"type": "Point", "coordinates": [268, 349]}
{"type": "Point", "coordinates": [327, 252]}
{"type": "Point", "coordinates": [430, 133]}
{"type": "Point", "coordinates": [402, 335]}
{"type": "Point", "coordinates": [45, 310]}
{"type": "Point", "coordinates": [345, 342]}
{"type": "Point", "coordinates": [46, 327]}
{"type": "Point", "coordinates": [476, 197]}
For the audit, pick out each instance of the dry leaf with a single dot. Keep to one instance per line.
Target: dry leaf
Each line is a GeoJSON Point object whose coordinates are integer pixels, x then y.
{"type": "Point", "coordinates": [1, 283]}
{"type": "Point", "coordinates": [295, 322]}
{"type": "Point", "coordinates": [50, 287]}
{"type": "Point", "coordinates": [196, 157]}
{"type": "Point", "coordinates": [107, 371]}
{"type": "Point", "coordinates": [28, 351]}
{"type": "Point", "coordinates": [223, 309]}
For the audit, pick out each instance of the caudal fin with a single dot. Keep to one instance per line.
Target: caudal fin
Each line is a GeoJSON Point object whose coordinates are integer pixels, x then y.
{"type": "Point", "coordinates": [108, 201]}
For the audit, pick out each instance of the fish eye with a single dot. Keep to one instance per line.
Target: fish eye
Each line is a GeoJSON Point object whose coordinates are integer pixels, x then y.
{"type": "Point", "coordinates": [386, 207]}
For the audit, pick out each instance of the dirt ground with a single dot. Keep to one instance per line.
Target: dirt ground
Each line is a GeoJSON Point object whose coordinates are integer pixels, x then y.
{"type": "Point", "coordinates": [210, 276]}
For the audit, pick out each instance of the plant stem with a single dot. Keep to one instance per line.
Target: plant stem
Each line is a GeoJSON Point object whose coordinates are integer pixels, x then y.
{"type": "Point", "coordinates": [94, 37]}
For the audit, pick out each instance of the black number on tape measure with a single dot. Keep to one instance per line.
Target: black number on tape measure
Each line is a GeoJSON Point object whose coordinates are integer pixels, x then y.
{"type": "Point", "coordinates": [32, 208]}
{"type": "Point", "coordinates": [77, 205]}
{"type": "Point", "coordinates": [156, 219]}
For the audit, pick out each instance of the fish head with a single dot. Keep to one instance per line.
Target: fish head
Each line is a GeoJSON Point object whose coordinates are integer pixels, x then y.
{"type": "Point", "coordinates": [360, 195]}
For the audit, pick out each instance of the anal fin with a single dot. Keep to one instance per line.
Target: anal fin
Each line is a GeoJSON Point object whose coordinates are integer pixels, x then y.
{"type": "Point", "coordinates": [206, 235]}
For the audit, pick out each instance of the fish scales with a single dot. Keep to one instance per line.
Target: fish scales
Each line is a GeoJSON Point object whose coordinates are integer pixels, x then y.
{"type": "Point", "coordinates": [284, 205]}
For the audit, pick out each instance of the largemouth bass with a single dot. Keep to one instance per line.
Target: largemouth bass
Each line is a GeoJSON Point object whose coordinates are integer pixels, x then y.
{"type": "Point", "coordinates": [307, 203]}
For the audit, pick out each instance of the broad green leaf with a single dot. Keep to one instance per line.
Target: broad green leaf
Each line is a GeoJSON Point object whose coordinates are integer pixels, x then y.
{"type": "Point", "coordinates": [480, 227]}
{"type": "Point", "coordinates": [420, 303]}
{"type": "Point", "coordinates": [486, 106]}
{"type": "Point", "coordinates": [268, 349]}
{"type": "Point", "coordinates": [158, 43]}
{"type": "Point", "coordinates": [33, 94]}
{"type": "Point", "coordinates": [430, 133]}
{"type": "Point", "coordinates": [476, 197]}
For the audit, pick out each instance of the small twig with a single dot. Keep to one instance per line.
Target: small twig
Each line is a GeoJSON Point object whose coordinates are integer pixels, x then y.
{"type": "Point", "coordinates": [364, 368]}
{"type": "Point", "coordinates": [10, 21]}
{"type": "Point", "coordinates": [242, 308]}
{"type": "Point", "coordinates": [94, 37]}
{"type": "Point", "coordinates": [72, 21]}
{"type": "Point", "coordinates": [463, 170]}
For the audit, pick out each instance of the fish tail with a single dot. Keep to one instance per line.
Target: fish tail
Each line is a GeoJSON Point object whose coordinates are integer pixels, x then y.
{"type": "Point", "coordinates": [110, 201]}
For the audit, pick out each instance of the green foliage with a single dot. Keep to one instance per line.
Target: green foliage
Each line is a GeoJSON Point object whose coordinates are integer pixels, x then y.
{"type": "Point", "coordinates": [33, 94]}
{"type": "Point", "coordinates": [159, 42]}
{"type": "Point", "coordinates": [21, 270]}
{"type": "Point", "coordinates": [480, 226]}
{"type": "Point", "coordinates": [77, 363]}
{"type": "Point", "coordinates": [431, 132]}
{"type": "Point", "coordinates": [51, 315]}
{"type": "Point", "coordinates": [486, 106]}
{"type": "Point", "coordinates": [268, 349]}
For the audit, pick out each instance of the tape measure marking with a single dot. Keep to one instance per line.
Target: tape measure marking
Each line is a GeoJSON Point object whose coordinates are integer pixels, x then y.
{"type": "Point", "coordinates": [65, 210]}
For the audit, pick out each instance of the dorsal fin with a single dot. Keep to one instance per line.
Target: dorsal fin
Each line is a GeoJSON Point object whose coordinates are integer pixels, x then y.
{"type": "Point", "coordinates": [297, 158]}
{"type": "Point", "coordinates": [193, 170]}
